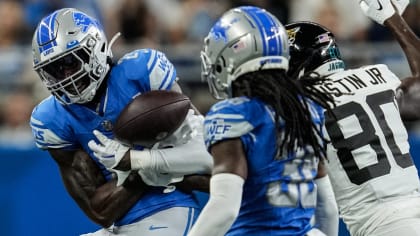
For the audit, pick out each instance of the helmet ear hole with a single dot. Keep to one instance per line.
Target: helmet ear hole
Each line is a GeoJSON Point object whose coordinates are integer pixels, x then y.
{"type": "Point", "coordinates": [220, 64]}
{"type": "Point", "coordinates": [103, 48]}
{"type": "Point", "coordinates": [218, 68]}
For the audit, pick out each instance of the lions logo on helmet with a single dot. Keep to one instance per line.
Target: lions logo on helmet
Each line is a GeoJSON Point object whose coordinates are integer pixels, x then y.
{"type": "Point", "coordinates": [218, 32]}
{"type": "Point", "coordinates": [84, 21]}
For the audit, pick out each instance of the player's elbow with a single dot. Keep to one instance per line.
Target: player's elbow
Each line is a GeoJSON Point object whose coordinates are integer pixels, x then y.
{"type": "Point", "coordinates": [101, 219]}
{"type": "Point", "coordinates": [331, 211]}
{"type": "Point", "coordinates": [231, 215]}
{"type": "Point", "coordinates": [102, 215]}
{"type": "Point", "coordinates": [105, 223]}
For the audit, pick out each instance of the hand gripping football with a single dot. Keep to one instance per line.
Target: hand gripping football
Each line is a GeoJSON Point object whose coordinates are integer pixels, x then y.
{"type": "Point", "coordinates": [151, 117]}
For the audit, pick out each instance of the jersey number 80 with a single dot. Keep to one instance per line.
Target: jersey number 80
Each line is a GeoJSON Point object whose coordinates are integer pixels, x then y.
{"type": "Point", "coordinates": [345, 145]}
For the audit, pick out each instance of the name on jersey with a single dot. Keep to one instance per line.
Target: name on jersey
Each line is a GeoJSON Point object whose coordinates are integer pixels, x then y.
{"type": "Point", "coordinates": [218, 127]}
{"type": "Point", "coordinates": [163, 62]}
{"type": "Point", "coordinates": [350, 83]}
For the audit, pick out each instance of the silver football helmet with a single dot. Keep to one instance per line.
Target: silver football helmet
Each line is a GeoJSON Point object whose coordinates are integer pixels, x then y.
{"type": "Point", "coordinates": [243, 40]}
{"type": "Point", "coordinates": [70, 52]}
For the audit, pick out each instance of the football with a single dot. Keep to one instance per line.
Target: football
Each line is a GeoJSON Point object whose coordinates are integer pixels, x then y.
{"type": "Point", "coordinates": [151, 117]}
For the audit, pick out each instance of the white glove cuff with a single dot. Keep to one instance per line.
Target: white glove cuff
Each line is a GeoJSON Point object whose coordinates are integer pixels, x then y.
{"type": "Point", "coordinates": [401, 5]}
{"type": "Point", "coordinates": [119, 154]}
{"type": "Point", "coordinates": [121, 176]}
{"type": "Point", "coordinates": [377, 10]}
{"type": "Point", "coordinates": [140, 160]}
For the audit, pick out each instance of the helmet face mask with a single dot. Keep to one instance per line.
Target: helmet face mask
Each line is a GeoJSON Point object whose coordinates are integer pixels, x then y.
{"type": "Point", "coordinates": [217, 88]}
{"type": "Point", "coordinates": [70, 55]}
{"type": "Point", "coordinates": [243, 40]}
{"type": "Point", "coordinates": [312, 48]}
{"type": "Point", "coordinates": [68, 64]}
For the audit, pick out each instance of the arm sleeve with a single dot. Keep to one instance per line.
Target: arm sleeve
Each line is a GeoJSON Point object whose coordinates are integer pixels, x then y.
{"type": "Point", "coordinates": [189, 158]}
{"type": "Point", "coordinates": [326, 212]}
{"type": "Point", "coordinates": [222, 207]}
{"type": "Point", "coordinates": [187, 153]}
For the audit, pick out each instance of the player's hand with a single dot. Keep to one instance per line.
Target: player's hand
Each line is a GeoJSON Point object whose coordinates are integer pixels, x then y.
{"type": "Point", "coordinates": [108, 151]}
{"type": "Point", "coordinates": [377, 10]}
{"type": "Point", "coordinates": [400, 5]}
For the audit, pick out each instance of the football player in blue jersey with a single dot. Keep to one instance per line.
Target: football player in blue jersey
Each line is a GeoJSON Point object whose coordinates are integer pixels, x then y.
{"type": "Point", "coordinates": [265, 135]}
{"type": "Point", "coordinates": [375, 182]}
{"type": "Point", "coordinates": [73, 58]}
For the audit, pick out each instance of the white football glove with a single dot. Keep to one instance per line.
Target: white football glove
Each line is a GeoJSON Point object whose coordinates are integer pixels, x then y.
{"type": "Point", "coordinates": [401, 5]}
{"type": "Point", "coordinates": [109, 152]}
{"type": "Point", "coordinates": [377, 10]}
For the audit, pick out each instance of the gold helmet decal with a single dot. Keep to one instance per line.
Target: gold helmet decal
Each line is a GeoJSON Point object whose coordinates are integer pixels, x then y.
{"type": "Point", "coordinates": [291, 33]}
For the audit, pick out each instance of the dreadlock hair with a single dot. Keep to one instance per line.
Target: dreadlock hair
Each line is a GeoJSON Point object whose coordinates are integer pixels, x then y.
{"type": "Point", "coordinates": [288, 98]}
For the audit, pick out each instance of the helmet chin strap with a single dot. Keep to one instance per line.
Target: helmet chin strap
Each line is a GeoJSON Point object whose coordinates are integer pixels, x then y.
{"type": "Point", "coordinates": [114, 38]}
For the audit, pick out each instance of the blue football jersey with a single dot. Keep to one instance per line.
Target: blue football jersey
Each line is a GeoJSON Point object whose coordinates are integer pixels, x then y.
{"type": "Point", "coordinates": [70, 127]}
{"type": "Point", "coordinates": [279, 195]}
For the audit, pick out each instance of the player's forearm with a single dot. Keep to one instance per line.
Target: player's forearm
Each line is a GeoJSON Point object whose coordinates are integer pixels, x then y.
{"type": "Point", "coordinates": [186, 159]}
{"type": "Point", "coordinates": [194, 183]}
{"type": "Point", "coordinates": [326, 213]}
{"type": "Point", "coordinates": [408, 99]}
{"type": "Point", "coordinates": [107, 203]}
{"type": "Point", "coordinates": [189, 158]}
{"type": "Point", "coordinates": [111, 202]}
{"type": "Point", "coordinates": [408, 40]}
{"type": "Point", "coordinates": [101, 201]}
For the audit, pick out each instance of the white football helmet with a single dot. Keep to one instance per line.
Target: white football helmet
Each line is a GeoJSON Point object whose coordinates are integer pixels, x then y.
{"type": "Point", "coordinates": [70, 53]}
{"type": "Point", "coordinates": [243, 40]}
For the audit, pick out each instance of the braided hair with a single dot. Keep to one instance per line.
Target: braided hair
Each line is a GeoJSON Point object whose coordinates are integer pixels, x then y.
{"type": "Point", "coordinates": [286, 96]}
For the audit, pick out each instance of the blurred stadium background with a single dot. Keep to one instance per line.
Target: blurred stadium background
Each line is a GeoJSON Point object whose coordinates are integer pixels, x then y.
{"type": "Point", "coordinates": [32, 198]}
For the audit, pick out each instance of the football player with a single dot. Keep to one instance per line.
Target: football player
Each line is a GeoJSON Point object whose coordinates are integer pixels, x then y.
{"type": "Point", "coordinates": [264, 136]}
{"type": "Point", "coordinates": [375, 182]}
{"type": "Point", "coordinates": [72, 56]}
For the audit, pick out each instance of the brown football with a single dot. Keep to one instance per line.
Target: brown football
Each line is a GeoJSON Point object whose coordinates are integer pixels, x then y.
{"type": "Point", "coordinates": [151, 117]}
